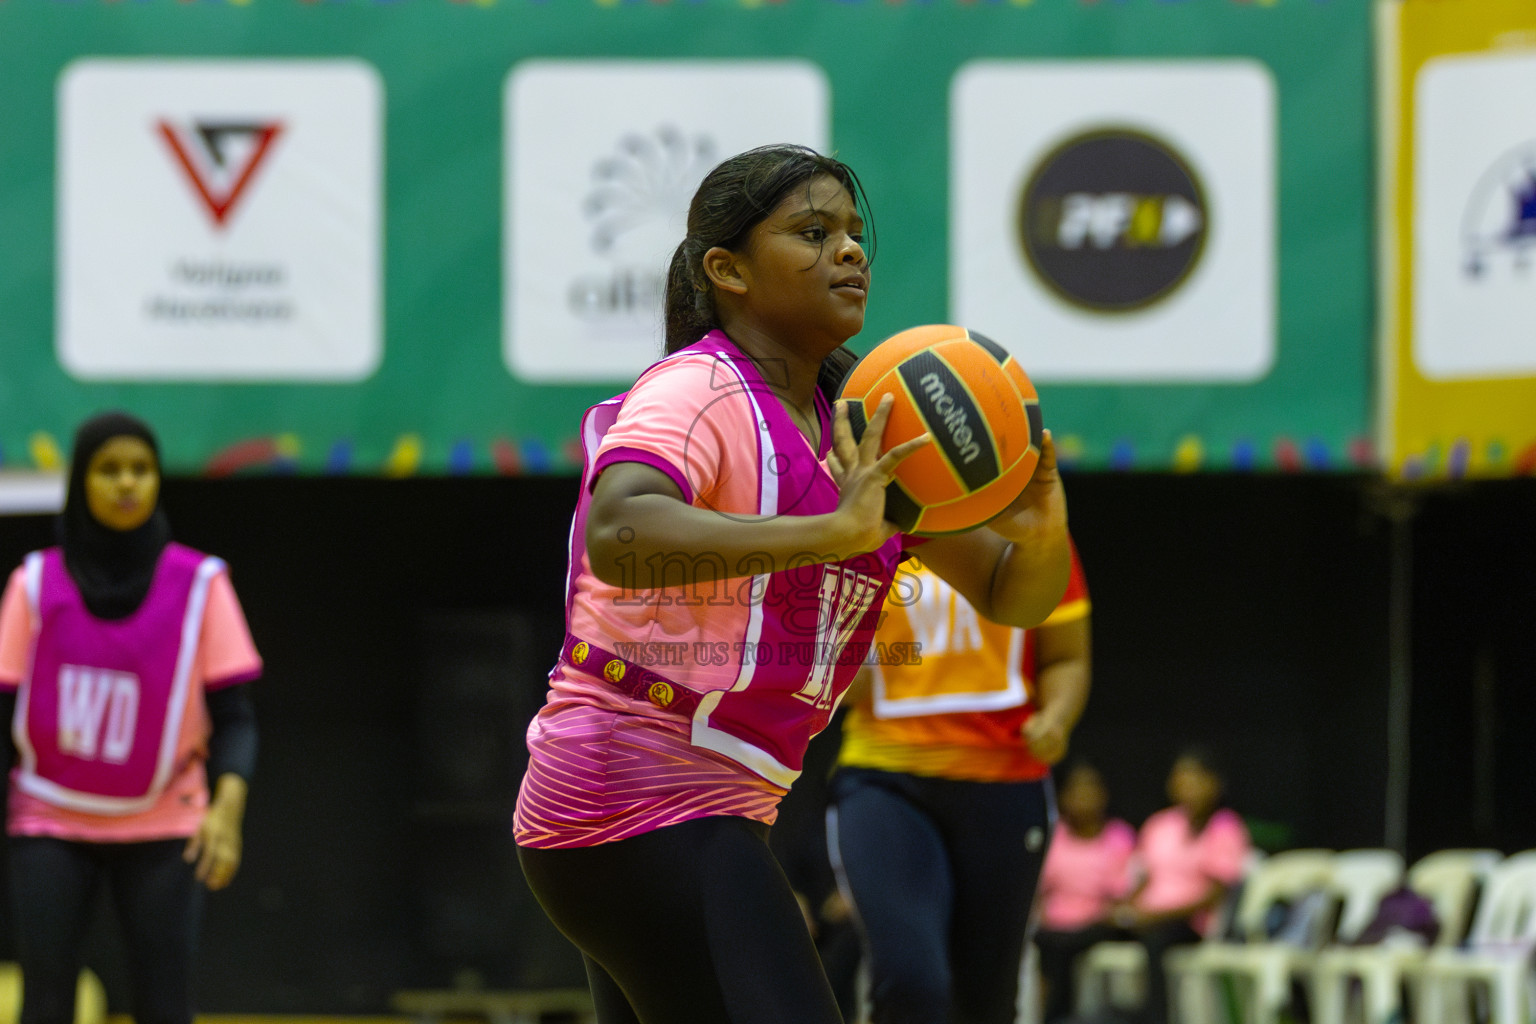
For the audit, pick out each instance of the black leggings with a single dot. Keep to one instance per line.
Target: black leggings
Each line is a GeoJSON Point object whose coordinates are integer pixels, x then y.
{"type": "Point", "coordinates": [690, 924]}
{"type": "Point", "coordinates": [942, 876]}
{"type": "Point", "coordinates": [1059, 953]}
{"type": "Point", "coordinates": [159, 904]}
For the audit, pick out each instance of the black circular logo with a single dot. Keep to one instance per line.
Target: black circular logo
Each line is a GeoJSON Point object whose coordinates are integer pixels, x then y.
{"type": "Point", "coordinates": [1112, 220]}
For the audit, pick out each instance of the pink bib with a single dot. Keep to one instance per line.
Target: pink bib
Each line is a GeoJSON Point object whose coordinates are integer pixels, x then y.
{"type": "Point", "coordinates": [100, 710]}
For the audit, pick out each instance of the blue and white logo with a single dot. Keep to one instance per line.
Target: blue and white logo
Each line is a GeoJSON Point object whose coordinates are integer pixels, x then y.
{"type": "Point", "coordinates": [1499, 226]}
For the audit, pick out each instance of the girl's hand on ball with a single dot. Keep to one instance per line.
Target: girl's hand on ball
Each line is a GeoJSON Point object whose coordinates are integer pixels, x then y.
{"type": "Point", "coordinates": [1042, 500]}
{"type": "Point", "coordinates": [862, 473]}
{"type": "Point", "coordinates": [1046, 478]}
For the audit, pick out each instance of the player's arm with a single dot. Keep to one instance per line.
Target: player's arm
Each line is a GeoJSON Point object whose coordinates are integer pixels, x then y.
{"type": "Point", "coordinates": [1015, 569]}
{"type": "Point", "coordinates": [1062, 681]}
{"type": "Point", "coordinates": [15, 653]}
{"type": "Point", "coordinates": [1128, 915]}
{"type": "Point", "coordinates": [642, 534]}
{"type": "Point", "coordinates": [862, 689]}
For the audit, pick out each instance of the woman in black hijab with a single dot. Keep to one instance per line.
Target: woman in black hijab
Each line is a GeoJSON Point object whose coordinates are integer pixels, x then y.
{"type": "Point", "coordinates": [123, 663]}
{"type": "Point", "coordinates": [113, 568]}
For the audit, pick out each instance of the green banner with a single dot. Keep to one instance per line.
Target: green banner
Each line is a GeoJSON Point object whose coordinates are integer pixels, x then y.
{"type": "Point", "coordinates": [420, 237]}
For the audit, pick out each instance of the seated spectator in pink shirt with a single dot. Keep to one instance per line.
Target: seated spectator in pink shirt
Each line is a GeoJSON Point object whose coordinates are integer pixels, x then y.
{"type": "Point", "coordinates": [1188, 857]}
{"type": "Point", "coordinates": [1085, 874]}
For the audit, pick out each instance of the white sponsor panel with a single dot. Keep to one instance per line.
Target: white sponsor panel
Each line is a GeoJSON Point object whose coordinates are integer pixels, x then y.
{"type": "Point", "coordinates": [602, 158]}
{"type": "Point", "coordinates": [219, 220]}
{"type": "Point", "coordinates": [1211, 126]}
{"type": "Point", "coordinates": [1474, 217]}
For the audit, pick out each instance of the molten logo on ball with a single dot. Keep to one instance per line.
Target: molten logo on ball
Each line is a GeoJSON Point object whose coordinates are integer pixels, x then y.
{"type": "Point", "coordinates": [979, 406]}
{"type": "Point", "coordinates": [954, 417]}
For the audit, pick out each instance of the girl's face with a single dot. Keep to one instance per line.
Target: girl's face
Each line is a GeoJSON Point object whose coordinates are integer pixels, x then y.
{"type": "Point", "coordinates": [1084, 798]}
{"type": "Point", "coordinates": [804, 268]}
{"type": "Point", "coordinates": [1193, 786]}
{"type": "Point", "coordinates": [122, 483]}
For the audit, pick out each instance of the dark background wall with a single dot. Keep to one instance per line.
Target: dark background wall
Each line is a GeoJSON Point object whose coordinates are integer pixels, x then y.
{"type": "Point", "coordinates": [408, 625]}
{"type": "Point", "coordinates": [1473, 777]}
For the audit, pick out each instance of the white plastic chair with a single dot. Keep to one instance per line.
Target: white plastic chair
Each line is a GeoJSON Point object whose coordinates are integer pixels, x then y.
{"type": "Point", "coordinates": [1360, 879]}
{"type": "Point", "coordinates": [1497, 956]}
{"type": "Point", "coordinates": [1195, 972]}
{"type": "Point", "coordinates": [1356, 882]}
{"type": "Point", "coordinates": [1449, 879]}
{"type": "Point", "coordinates": [1115, 973]}
{"type": "Point", "coordinates": [1111, 974]}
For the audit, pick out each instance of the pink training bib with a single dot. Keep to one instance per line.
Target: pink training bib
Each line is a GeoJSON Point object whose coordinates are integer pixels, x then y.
{"type": "Point", "coordinates": [100, 709]}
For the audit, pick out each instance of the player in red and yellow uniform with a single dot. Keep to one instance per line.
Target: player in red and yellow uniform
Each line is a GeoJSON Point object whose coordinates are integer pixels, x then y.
{"type": "Point", "coordinates": [941, 806]}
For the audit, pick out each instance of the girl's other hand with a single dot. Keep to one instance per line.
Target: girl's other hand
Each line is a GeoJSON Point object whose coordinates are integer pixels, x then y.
{"type": "Point", "coordinates": [1044, 486]}
{"type": "Point", "coordinates": [862, 474]}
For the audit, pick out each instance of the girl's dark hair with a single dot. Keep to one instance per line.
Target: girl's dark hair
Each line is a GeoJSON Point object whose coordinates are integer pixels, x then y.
{"type": "Point", "coordinates": [1204, 757]}
{"type": "Point", "coordinates": [1208, 761]}
{"type": "Point", "coordinates": [1077, 764]}
{"type": "Point", "coordinates": [731, 200]}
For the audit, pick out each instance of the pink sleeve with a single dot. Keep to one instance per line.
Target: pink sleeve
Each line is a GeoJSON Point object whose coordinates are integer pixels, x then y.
{"type": "Point", "coordinates": [1225, 849]}
{"type": "Point", "coordinates": [677, 418]}
{"type": "Point", "coordinates": [15, 632]}
{"type": "Point", "coordinates": [1147, 837]}
{"type": "Point", "coordinates": [229, 655]}
{"type": "Point", "coordinates": [1120, 840]}
{"type": "Point", "coordinates": [1148, 833]}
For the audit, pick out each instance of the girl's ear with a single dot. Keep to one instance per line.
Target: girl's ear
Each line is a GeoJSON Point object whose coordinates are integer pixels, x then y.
{"type": "Point", "coordinates": [724, 270]}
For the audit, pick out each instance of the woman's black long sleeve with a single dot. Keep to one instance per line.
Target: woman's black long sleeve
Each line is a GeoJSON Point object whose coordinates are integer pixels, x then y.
{"type": "Point", "coordinates": [7, 741]}
{"type": "Point", "coordinates": [232, 747]}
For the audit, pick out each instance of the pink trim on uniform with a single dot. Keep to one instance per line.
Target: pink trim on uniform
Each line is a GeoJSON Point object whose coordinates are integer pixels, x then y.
{"type": "Point", "coordinates": [612, 455]}
{"type": "Point", "coordinates": [248, 676]}
{"type": "Point", "coordinates": [225, 654]}
{"type": "Point", "coordinates": [1083, 877]}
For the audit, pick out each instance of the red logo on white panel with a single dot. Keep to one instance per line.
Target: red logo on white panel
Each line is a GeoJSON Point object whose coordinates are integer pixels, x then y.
{"type": "Point", "coordinates": [220, 158]}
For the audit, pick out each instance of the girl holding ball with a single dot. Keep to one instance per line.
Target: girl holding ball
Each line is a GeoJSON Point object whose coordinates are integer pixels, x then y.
{"type": "Point", "coordinates": [725, 506]}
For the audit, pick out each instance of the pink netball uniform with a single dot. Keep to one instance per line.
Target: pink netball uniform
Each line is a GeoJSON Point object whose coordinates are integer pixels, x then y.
{"type": "Point", "coordinates": [686, 701]}
{"type": "Point", "coordinates": [111, 729]}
